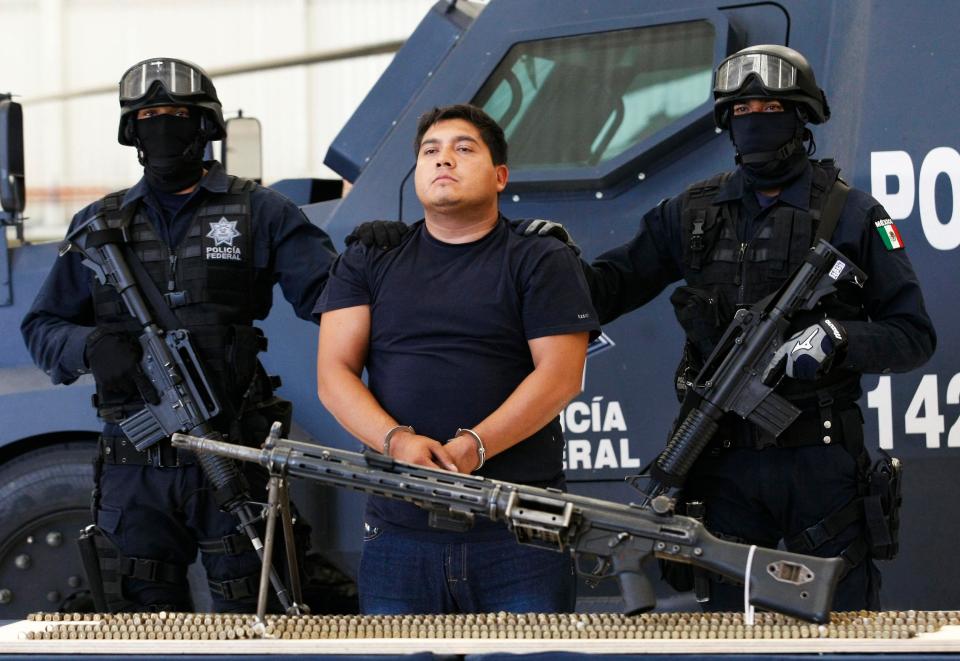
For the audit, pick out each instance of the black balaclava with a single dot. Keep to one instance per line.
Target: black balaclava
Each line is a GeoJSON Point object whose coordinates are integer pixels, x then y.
{"type": "Point", "coordinates": [171, 151]}
{"type": "Point", "coordinates": [770, 147]}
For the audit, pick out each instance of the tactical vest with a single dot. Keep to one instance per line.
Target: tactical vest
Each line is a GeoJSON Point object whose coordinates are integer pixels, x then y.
{"type": "Point", "coordinates": [209, 282]}
{"type": "Point", "coordinates": [725, 272]}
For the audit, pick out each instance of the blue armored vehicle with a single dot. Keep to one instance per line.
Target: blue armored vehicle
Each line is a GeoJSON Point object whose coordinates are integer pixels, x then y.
{"type": "Point", "coordinates": [607, 108]}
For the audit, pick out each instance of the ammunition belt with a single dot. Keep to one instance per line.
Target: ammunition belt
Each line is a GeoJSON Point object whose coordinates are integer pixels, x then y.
{"type": "Point", "coordinates": [224, 626]}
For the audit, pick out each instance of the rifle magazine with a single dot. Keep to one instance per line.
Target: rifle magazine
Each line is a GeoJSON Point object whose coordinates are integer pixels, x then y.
{"type": "Point", "coordinates": [143, 429]}
{"type": "Point", "coordinates": [773, 414]}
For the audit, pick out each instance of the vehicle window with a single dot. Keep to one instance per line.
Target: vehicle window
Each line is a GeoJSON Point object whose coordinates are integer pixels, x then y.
{"type": "Point", "coordinates": [579, 101]}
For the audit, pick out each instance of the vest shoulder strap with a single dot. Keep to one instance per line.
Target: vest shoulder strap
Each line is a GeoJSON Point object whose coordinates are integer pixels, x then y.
{"type": "Point", "coordinates": [698, 215]}
{"type": "Point", "coordinates": [832, 208]}
{"type": "Point", "coordinates": [115, 215]}
{"type": "Point", "coordinates": [828, 193]}
{"type": "Point", "coordinates": [706, 188]}
{"type": "Point", "coordinates": [111, 202]}
{"type": "Point", "coordinates": [239, 185]}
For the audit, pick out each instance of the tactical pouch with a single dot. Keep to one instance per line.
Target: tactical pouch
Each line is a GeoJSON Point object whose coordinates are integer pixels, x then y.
{"type": "Point", "coordinates": [257, 421]}
{"type": "Point", "coordinates": [100, 563]}
{"type": "Point", "coordinates": [687, 370]}
{"type": "Point", "coordinates": [242, 346]}
{"type": "Point", "coordinates": [881, 507]}
{"type": "Point", "coordinates": [703, 315]}
{"type": "Point", "coordinates": [89, 557]}
{"type": "Point", "coordinates": [677, 575]}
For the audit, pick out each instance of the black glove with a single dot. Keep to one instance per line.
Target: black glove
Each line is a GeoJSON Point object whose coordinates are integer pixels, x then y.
{"type": "Point", "coordinates": [385, 234]}
{"type": "Point", "coordinates": [114, 359]}
{"type": "Point", "coordinates": [540, 227]}
{"type": "Point", "coordinates": [809, 354]}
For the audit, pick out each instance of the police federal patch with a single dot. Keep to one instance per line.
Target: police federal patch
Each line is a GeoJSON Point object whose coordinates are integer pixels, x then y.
{"type": "Point", "coordinates": [889, 234]}
{"type": "Point", "coordinates": [223, 232]}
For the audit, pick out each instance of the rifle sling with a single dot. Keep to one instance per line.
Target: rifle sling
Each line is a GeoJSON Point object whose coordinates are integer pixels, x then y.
{"type": "Point", "coordinates": [165, 317]}
{"type": "Point", "coordinates": [832, 208]}
{"type": "Point", "coordinates": [113, 206]}
{"type": "Point", "coordinates": [97, 238]}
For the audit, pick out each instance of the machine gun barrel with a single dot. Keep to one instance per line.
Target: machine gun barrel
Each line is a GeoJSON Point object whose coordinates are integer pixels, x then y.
{"type": "Point", "coordinates": [734, 378]}
{"type": "Point", "coordinates": [621, 536]}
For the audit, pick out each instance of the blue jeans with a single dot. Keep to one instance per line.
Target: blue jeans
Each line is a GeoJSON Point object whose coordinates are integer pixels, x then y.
{"type": "Point", "coordinates": [406, 573]}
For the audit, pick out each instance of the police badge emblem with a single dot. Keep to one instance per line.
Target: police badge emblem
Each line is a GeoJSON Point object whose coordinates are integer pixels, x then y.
{"type": "Point", "coordinates": [223, 232]}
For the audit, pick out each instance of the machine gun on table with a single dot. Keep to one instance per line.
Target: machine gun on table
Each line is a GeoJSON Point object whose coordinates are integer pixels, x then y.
{"type": "Point", "coordinates": [184, 400]}
{"type": "Point", "coordinates": [620, 536]}
{"type": "Point", "coordinates": [735, 377]}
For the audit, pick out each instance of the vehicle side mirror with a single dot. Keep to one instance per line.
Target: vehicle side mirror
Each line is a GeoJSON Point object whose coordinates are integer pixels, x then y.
{"type": "Point", "coordinates": [242, 148]}
{"type": "Point", "coordinates": [12, 186]}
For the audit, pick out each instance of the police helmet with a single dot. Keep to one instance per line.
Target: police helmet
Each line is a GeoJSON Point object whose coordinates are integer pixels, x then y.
{"type": "Point", "coordinates": [768, 71]}
{"type": "Point", "coordinates": [166, 81]}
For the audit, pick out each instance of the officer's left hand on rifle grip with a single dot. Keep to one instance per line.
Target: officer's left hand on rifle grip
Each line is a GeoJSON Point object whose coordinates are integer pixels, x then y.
{"type": "Point", "coordinates": [809, 354]}
{"type": "Point", "coordinates": [114, 359]}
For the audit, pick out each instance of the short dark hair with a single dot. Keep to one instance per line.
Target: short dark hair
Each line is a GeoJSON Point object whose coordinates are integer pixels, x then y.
{"type": "Point", "coordinates": [489, 130]}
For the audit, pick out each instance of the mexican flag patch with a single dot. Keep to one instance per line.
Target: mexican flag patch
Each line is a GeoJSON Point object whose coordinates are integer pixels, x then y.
{"type": "Point", "coordinates": [888, 234]}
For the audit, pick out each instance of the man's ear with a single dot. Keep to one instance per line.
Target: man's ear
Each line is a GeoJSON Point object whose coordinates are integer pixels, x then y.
{"type": "Point", "coordinates": [503, 174]}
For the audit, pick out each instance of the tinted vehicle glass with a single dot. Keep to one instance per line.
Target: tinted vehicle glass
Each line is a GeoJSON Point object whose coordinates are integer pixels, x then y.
{"type": "Point", "coordinates": [582, 100]}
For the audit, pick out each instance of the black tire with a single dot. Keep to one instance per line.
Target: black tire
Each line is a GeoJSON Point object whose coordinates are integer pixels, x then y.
{"type": "Point", "coordinates": [44, 503]}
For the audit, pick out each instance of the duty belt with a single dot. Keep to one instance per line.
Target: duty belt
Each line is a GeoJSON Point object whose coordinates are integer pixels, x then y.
{"type": "Point", "coordinates": [120, 451]}
{"type": "Point", "coordinates": [827, 428]}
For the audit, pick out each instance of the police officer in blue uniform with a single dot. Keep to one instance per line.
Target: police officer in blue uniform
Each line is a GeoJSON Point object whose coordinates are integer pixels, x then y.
{"type": "Point", "coordinates": [734, 239]}
{"type": "Point", "coordinates": [214, 245]}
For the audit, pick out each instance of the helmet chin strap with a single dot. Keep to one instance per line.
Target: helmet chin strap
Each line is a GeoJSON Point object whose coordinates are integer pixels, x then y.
{"type": "Point", "coordinates": [192, 151]}
{"type": "Point", "coordinates": [780, 154]}
{"type": "Point", "coordinates": [785, 150]}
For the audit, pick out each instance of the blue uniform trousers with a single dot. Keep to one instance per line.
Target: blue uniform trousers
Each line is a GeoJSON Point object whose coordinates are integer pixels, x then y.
{"type": "Point", "coordinates": [764, 496]}
{"type": "Point", "coordinates": [161, 514]}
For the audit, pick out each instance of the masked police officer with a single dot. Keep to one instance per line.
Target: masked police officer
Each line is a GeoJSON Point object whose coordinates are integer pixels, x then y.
{"type": "Point", "coordinates": [734, 239]}
{"type": "Point", "coordinates": [214, 246]}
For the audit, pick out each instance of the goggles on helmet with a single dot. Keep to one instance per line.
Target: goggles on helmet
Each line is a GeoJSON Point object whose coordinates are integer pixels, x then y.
{"type": "Point", "coordinates": [178, 78]}
{"type": "Point", "coordinates": [775, 73]}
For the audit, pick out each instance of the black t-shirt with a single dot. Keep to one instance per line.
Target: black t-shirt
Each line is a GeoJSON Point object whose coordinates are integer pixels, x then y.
{"type": "Point", "coordinates": [450, 325]}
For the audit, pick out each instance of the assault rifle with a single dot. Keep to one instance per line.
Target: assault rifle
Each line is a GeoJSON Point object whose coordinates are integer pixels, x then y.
{"type": "Point", "coordinates": [736, 378]}
{"type": "Point", "coordinates": [621, 537]}
{"type": "Point", "coordinates": [184, 400]}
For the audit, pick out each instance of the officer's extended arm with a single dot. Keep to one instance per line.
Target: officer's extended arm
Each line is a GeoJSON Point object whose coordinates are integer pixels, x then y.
{"type": "Point", "coordinates": [899, 335]}
{"type": "Point", "coordinates": [301, 254]}
{"type": "Point", "coordinates": [630, 275]}
{"type": "Point", "coordinates": [58, 323]}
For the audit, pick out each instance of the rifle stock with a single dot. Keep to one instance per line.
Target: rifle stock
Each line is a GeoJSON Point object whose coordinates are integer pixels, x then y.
{"type": "Point", "coordinates": [621, 536]}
